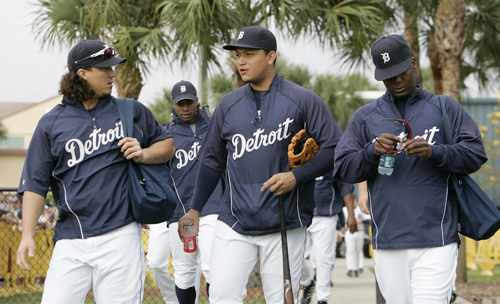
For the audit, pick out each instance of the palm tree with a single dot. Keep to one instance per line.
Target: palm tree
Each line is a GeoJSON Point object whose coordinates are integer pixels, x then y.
{"type": "Point", "coordinates": [197, 29]}
{"type": "Point", "coordinates": [340, 94]}
{"type": "Point", "coordinates": [461, 37]}
{"type": "Point", "coordinates": [446, 47]}
{"type": "Point", "coordinates": [219, 85]}
{"type": "Point", "coordinates": [162, 107]}
{"type": "Point", "coordinates": [294, 73]}
{"type": "Point", "coordinates": [133, 27]}
{"type": "Point", "coordinates": [349, 26]}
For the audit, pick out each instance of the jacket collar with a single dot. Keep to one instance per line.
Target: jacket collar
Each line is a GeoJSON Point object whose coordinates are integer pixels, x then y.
{"type": "Point", "coordinates": [101, 103]}
{"type": "Point", "coordinates": [276, 80]}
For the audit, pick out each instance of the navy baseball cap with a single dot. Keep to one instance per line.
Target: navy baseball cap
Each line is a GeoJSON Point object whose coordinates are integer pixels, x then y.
{"type": "Point", "coordinates": [93, 53]}
{"type": "Point", "coordinates": [183, 90]}
{"type": "Point", "coordinates": [254, 37]}
{"type": "Point", "coordinates": [391, 56]}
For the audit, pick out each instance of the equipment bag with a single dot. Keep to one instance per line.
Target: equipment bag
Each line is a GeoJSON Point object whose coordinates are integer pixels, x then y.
{"type": "Point", "coordinates": [151, 194]}
{"type": "Point", "coordinates": [478, 217]}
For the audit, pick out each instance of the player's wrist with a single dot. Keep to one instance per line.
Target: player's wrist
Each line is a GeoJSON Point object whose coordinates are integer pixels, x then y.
{"type": "Point", "coordinates": [194, 212]}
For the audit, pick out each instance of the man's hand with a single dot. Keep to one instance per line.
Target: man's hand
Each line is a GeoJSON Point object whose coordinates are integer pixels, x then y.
{"type": "Point", "coordinates": [26, 247]}
{"type": "Point", "coordinates": [280, 183]}
{"type": "Point", "coordinates": [352, 224]}
{"type": "Point", "coordinates": [418, 147]}
{"type": "Point", "coordinates": [390, 141]}
{"type": "Point", "coordinates": [363, 197]}
{"type": "Point", "coordinates": [193, 216]}
{"type": "Point", "coordinates": [131, 149]}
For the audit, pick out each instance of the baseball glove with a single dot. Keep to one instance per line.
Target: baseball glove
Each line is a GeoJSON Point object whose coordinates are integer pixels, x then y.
{"type": "Point", "coordinates": [302, 148]}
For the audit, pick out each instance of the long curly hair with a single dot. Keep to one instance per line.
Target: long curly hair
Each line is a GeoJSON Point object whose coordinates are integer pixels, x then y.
{"type": "Point", "coordinates": [75, 87]}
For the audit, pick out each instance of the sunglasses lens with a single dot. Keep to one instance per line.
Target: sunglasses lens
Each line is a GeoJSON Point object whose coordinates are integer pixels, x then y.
{"type": "Point", "coordinates": [108, 53]}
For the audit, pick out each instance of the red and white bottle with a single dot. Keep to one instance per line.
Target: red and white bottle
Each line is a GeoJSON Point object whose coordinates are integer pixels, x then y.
{"type": "Point", "coordinates": [189, 237]}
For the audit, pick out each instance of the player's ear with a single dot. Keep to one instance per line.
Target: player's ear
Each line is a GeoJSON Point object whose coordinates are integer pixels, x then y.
{"type": "Point", "coordinates": [81, 73]}
{"type": "Point", "coordinates": [271, 57]}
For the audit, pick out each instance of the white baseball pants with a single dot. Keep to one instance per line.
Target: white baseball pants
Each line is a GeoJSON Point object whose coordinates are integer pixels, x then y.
{"type": "Point", "coordinates": [322, 231]}
{"type": "Point", "coordinates": [112, 264]}
{"type": "Point", "coordinates": [354, 249]}
{"type": "Point", "coordinates": [416, 276]}
{"type": "Point", "coordinates": [208, 223]}
{"type": "Point", "coordinates": [234, 256]}
{"type": "Point", "coordinates": [186, 265]}
{"type": "Point", "coordinates": [158, 259]}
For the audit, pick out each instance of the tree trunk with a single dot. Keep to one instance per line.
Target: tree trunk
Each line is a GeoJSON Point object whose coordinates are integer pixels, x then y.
{"type": "Point", "coordinates": [411, 36]}
{"type": "Point", "coordinates": [436, 66]}
{"type": "Point", "coordinates": [128, 85]}
{"type": "Point", "coordinates": [448, 40]}
{"type": "Point", "coordinates": [202, 78]}
{"type": "Point", "coordinates": [462, 263]}
{"type": "Point", "coordinates": [446, 53]}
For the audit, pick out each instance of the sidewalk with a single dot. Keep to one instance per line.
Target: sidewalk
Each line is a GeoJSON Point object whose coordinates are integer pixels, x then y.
{"type": "Point", "coordinates": [360, 290]}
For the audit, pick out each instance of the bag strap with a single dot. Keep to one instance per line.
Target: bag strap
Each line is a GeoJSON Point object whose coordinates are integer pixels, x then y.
{"type": "Point", "coordinates": [446, 121]}
{"type": "Point", "coordinates": [126, 110]}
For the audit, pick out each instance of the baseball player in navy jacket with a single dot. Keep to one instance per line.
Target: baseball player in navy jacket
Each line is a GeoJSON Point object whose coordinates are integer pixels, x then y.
{"type": "Point", "coordinates": [79, 151]}
{"type": "Point", "coordinates": [247, 141]}
{"type": "Point", "coordinates": [329, 196]}
{"type": "Point", "coordinates": [188, 128]}
{"type": "Point", "coordinates": [414, 212]}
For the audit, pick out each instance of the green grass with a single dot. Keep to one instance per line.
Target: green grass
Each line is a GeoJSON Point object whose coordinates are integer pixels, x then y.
{"type": "Point", "coordinates": [23, 298]}
{"type": "Point", "coordinates": [152, 300]}
{"type": "Point", "coordinates": [475, 275]}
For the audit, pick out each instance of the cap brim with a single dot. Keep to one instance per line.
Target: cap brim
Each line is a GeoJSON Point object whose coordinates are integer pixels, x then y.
{"type": "Point", "coordinates": [183, 97]}
{"type": "Point", "coordinates": [233, 47]}
{"type": "Point", "coordinates": [109, 62]}
{"type": "Point", "coordinates": [398, 69]}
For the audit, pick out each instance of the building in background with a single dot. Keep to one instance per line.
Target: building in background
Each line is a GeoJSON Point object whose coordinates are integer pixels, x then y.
{"type": "Point", "coordinates": [20, 120]}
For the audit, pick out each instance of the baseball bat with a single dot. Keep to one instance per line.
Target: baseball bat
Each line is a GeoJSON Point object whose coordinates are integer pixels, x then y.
{"type": "Point", "coordinates": [287, 284]}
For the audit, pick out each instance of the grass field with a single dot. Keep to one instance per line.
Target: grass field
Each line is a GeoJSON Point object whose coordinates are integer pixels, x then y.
{"type": "Point", "coordinates": [475, 275]}
{"type": "Point", "coordinates": [22, 299]}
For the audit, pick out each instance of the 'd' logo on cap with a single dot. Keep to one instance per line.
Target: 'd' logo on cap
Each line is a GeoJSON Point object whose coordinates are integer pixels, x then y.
{"type": "Point", "coordinates": [385, 57]}
{"type": "Point", "coordinates": [241, 35]}
{"type": "Point", "coordinates": [183, 89]}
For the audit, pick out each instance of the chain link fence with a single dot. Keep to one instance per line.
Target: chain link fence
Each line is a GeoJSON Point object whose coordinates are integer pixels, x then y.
{"type": "Point", "coordinates": [19, 286]}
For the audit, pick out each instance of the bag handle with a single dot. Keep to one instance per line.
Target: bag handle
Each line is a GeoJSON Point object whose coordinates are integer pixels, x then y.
{"type": "Point", "coordinates": [446, 121]}
{"type": "Point", "coordinates": [126, 110]}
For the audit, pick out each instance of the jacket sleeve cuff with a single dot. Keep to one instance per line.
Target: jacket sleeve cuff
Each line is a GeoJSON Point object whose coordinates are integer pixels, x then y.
{"type": "Point", "coordinates": [319, 165]}
{"type": "Point", "coordinates": [437, 153]}
{"type": "Point", "coordinates": [371, 155]}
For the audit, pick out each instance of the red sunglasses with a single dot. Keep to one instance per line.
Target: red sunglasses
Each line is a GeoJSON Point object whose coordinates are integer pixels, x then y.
{"type": "Point", "coordinates": [106, 53]}
{"type": "Point", "coordinates": [404, 122]}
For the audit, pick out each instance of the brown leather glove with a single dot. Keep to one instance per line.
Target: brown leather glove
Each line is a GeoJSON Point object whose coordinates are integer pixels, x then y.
{"type": "Point", "coordinates": [301, 149]}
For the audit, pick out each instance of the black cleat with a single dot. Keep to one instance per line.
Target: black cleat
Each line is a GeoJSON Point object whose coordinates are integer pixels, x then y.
{"type": "Point", "coordinates": [308, 293]}
{"type": "Point", "coordinates": [453, 297]}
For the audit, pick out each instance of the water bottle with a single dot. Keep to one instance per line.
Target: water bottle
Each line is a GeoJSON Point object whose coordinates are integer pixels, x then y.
{"type": "Point", "coordinates": [189, 237]}
{"type": "Point", "coordinates": [386, 164]}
